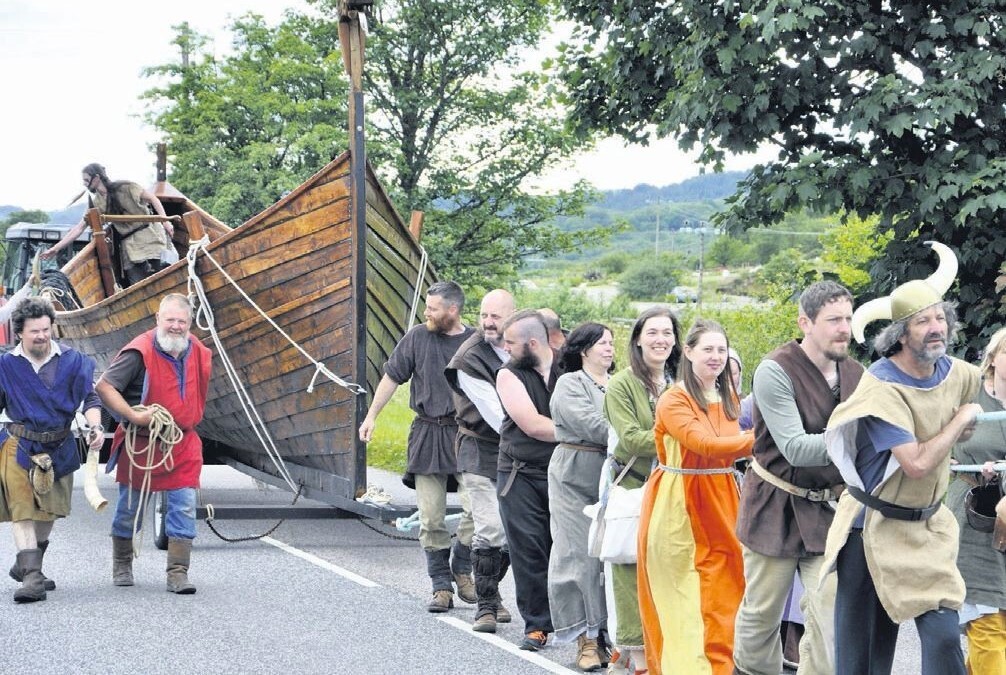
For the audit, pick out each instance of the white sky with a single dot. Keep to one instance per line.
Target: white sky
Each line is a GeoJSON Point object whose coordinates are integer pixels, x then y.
{"type": "Point", "coordinates": [69, 95]}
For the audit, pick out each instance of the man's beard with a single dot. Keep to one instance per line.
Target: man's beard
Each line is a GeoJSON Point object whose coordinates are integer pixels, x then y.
{"type": "Point", "coordinates": [526, 361]}
{"type": "Point", "coordinates": [171, 344]}
{"type": "Point", "coordinates": [930, 353]}
{"type": "Point", "coordinates": [837, 356]}
{"type": "Point", "coordinates": [39, 352]}
{"type": "Point", "coordinates": [440, 326]}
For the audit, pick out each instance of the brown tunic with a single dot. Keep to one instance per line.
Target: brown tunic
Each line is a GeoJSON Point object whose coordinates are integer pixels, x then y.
{"type": "Point", "coordinates": [773, 522]}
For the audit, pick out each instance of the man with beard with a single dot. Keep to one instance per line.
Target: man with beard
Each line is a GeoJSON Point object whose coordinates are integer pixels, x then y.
{"type": "Point", "coordinates": [139, 245]}
{"type": "Point", "coordinates": [169, 367]}
{"type": "Point", "coordinates": [527, 439]}
{"type": "Point", "coordinates": [42, 384]}
{"type": "Point", "coordinates": [784, 511]}
{"type": "Point", "coordinates": [420, 357]}
{"type": "Point", "coordinates": [892, 540]}
{"type": "Point", "coordinates": [472, 376]}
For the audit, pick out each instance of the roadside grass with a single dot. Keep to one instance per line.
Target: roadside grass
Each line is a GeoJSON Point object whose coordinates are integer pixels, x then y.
{"type": "Point", "coordinates": [386, 449]}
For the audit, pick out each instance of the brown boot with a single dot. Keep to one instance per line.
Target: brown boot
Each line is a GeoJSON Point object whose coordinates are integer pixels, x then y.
{"type": "Point", "coordinates": [29, 561]}
{"type": "Point", "coordinates": [122, 561]}
{"type": "Point", "coordinates": [587, 658]}
{"type": "Point", "coordinates": [15, 571]}
{"type": "Point", "coordinates": [179, 554]}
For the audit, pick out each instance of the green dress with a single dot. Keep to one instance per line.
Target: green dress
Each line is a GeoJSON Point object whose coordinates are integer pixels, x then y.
{"type": "Point", "coordinates": [629, 409]}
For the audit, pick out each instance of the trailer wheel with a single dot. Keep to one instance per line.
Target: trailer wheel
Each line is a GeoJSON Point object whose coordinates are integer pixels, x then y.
{"type": "Point", "coordinates": [160, 520]}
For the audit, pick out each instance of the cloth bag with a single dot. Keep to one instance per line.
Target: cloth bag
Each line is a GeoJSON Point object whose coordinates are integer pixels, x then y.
{"type": "Point", "coordinates": [614, 520]}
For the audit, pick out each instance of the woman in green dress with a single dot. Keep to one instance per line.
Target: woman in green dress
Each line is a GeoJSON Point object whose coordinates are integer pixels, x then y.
{"type": "Point", "coordinates": [629, 404]}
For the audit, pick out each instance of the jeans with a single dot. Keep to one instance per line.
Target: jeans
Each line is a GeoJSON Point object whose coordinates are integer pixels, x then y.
{"type": "Point", "coordinates": [180, 522]}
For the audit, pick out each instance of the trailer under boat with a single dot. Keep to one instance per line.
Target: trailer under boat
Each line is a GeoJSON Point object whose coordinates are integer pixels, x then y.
{"type": "Point", "coordinates": [343, 294]}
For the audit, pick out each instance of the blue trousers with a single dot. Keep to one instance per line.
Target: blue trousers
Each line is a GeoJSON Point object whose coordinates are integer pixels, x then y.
{"type": "Point", "coordinates": [865, 636]}
{"type": "Point", "coordinates": [180, 522]}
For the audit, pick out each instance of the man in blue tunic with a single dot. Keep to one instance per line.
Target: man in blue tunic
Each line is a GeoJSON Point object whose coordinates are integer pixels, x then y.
{"type": "Point", "coordinates": [42, 384]}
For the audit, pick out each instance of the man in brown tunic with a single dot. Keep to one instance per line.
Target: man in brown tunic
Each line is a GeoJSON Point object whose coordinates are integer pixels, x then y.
{"type": "Point", "coordinates": [784, 511]}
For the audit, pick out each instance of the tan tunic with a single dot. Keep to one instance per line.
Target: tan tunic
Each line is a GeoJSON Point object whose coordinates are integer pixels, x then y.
{"type": "Point", "coordinates": [913, 564]}
{"type": "Point", "coordinates": [147, 242]}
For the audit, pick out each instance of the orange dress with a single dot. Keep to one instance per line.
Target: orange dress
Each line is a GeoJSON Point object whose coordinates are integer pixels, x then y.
{"type": "Point", "coordinates": [690, 571]}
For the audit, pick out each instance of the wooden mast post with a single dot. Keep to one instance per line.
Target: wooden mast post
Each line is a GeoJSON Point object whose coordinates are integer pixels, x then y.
{"type": "Point", "coordinates": [351, 37]}
{"type": "Point", "coordinates": [101, 249]}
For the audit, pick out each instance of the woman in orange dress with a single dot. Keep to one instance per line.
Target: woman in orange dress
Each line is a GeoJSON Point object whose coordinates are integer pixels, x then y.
{"type": "Point", "coordinates": [691, 575]}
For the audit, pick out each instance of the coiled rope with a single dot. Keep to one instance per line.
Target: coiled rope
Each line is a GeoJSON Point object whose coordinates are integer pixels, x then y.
{"type": "Point", "coordinates": [164, 435]}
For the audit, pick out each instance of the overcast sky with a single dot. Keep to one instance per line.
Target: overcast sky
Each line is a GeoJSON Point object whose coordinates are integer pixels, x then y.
{"type": "Point", "coordinates": [71, 80]}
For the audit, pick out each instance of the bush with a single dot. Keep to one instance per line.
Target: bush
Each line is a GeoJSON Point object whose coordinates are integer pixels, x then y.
{"type": "Point", "coordinates": [650, 279]}
{"type": "Point", "coordinates": [572, 307]}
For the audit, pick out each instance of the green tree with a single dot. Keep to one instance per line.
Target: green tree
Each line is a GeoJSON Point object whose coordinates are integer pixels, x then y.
{"type": "Point", "coordinates": [30, 216]}
{"type": "Point", "coordinates": [649, 279]}
{"type": "Point", "coordinates": [448, 133]}
{"type": "Point", "coordinates": [851, 248]}
{"type": "Point", "coordinates": [893, 109]}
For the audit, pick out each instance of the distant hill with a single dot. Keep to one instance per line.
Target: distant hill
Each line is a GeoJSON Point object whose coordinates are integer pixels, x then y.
{"type": "Point", "coordinates": [70, 215]}
{"type": "Point", "coordinates": [707, 187]}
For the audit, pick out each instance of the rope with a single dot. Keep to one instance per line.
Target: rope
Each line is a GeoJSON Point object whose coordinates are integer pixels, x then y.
{"type": "Point", "coordinates": [418, 292]}
{"type": "Point", "coordinates": [164, 433]}
{"type": "Point", "coordinates": [205, 320]}
{"type": "Point", "coordinates": [195, 247]}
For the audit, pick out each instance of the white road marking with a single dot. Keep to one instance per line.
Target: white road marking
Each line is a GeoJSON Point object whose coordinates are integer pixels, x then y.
{"type": "Point", "coordinates": [324, 564]}
{"type": "Point", "coordinates": [497, 641]}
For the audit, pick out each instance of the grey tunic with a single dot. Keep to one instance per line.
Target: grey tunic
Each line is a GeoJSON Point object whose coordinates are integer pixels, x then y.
{"type": "Point", "coordinates": [983, 568]}
{"type": "Point", "coordinates": [575, 590]}
{"type": "Point", "coordinates": [420, 357]}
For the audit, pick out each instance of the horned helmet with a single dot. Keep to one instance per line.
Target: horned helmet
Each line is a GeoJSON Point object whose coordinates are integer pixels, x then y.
{"type": "Point", "coordinates": [911, 296]}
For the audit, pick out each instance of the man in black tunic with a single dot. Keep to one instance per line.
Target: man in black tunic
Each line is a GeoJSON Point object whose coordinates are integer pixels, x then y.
{"type": "Point", "coordinates": [527, 439]}
{"type": "Point", "coordinates": [420, 357]}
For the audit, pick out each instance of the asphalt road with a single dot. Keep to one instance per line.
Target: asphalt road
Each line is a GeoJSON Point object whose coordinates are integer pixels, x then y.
{"type": "Point", "coordinates": [318, 596]}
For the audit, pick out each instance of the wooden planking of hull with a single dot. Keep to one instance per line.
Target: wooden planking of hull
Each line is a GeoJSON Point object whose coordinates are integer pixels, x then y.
{"type": "Point", "coordinates": [295, 260]}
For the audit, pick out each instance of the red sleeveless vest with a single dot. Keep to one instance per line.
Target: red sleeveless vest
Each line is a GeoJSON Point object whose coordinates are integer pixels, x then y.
{"type": "Point", "coordinates": [185, 400]}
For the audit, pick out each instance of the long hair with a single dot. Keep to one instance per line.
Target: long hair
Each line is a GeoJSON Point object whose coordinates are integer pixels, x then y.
{"type": "Point", "coordinates": [992, 349]}
{"type": "Point", "coordinates": [724, 383]}
{"type": "Point", "coordinates": [636, 362]}
{"type": "Point", "coordinates": [580, 339]}
{"type": "Point", "coordinates": [888, 341]}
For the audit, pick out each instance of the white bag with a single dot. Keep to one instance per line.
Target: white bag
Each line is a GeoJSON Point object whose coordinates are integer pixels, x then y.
{"type": "Point", "coordinates": [614, 527]}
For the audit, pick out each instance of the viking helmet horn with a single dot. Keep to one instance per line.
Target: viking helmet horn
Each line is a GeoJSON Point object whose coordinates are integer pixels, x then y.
{"type": "Point", "coordinates": [874, 310]}
{"type": "Point", "coordinates": [910, 297]}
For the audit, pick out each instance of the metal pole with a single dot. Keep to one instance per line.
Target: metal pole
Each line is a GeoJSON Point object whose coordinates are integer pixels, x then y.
{"type": "Point", "coordinates": [702, 256]}
{"type": "Point", "coordinates": [656, 235]}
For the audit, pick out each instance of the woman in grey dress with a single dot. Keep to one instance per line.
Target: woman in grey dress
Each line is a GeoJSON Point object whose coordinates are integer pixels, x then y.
{"type": "Point", "coordinates": [983, 568]}
{"type": "Point", "coordinates": [575, 589]}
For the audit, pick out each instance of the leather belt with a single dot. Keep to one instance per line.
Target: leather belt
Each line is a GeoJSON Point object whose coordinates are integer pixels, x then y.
{"type": "Point", "coordinates": [695, 472]}
{"type": "Point", "coordinates": [893, 511]}
{"type": "Point", "coordinates": [19, 430]}
{"type": "Point", "coordinates": [443, 420]}
{"type": "Point", "coordinates": [585, 447]}
{"type": "Point", "coordinates": [464, 431]}
{"type": "Point", "coordinates": [811, 495]}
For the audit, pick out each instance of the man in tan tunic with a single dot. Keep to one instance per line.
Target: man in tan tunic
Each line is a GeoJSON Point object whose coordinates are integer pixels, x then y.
{"type": "Point", "coordinates": [893, 542]}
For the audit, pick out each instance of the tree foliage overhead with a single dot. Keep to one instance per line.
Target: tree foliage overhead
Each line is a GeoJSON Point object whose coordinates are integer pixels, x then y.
{"type": "Point", "coordinates": [453, 128]}
{"type": "Point", "coordinates": [893, 109]}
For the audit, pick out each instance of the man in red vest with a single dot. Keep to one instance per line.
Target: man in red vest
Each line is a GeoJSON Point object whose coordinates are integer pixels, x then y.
{"type": "Point", "coordinates": [169, 367]}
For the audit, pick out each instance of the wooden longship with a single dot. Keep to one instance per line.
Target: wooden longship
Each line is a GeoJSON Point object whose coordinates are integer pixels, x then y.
{"type": "Point", "coordinates": [344, 295]}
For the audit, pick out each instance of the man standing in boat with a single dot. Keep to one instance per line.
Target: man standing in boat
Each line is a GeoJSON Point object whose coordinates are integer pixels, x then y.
{"type": "Point", "coordinates": [168, 367]}
{"type": "Point", "coordinates": [421, 356]}
{"type": "Point", "coordinates": [139, 245]}
{"type": "Point", "coordinates": [472, 376]}
{"type": "Point", "coordinates": [41, 387]}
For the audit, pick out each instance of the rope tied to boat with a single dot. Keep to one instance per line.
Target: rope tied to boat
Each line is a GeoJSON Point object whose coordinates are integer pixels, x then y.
{"type": "Point", "coordinates": [417, 293]}
{"type": "Point", "coordinates": [163, 434]}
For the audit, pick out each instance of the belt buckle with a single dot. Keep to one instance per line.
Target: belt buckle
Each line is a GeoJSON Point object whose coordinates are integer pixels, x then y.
{"type": "Point", "coordinates": [820, 495]}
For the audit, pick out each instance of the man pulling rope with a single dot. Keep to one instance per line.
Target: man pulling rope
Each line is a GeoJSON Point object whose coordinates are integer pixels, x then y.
{"type": "Point", "coordinates": [165, 366]}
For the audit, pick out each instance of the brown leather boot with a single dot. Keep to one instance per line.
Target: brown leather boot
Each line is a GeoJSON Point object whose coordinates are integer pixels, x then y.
{"type": "Point", "coordinates": [29, 561]}
{"type": "Point", "coordinates": [179, 554]}
{"type": "Point", "coordinates": [587, 659]}
{"type": "Point", "coordinates": [15, 571]}
{"type": "Point", "coordinates": [122, 561]}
